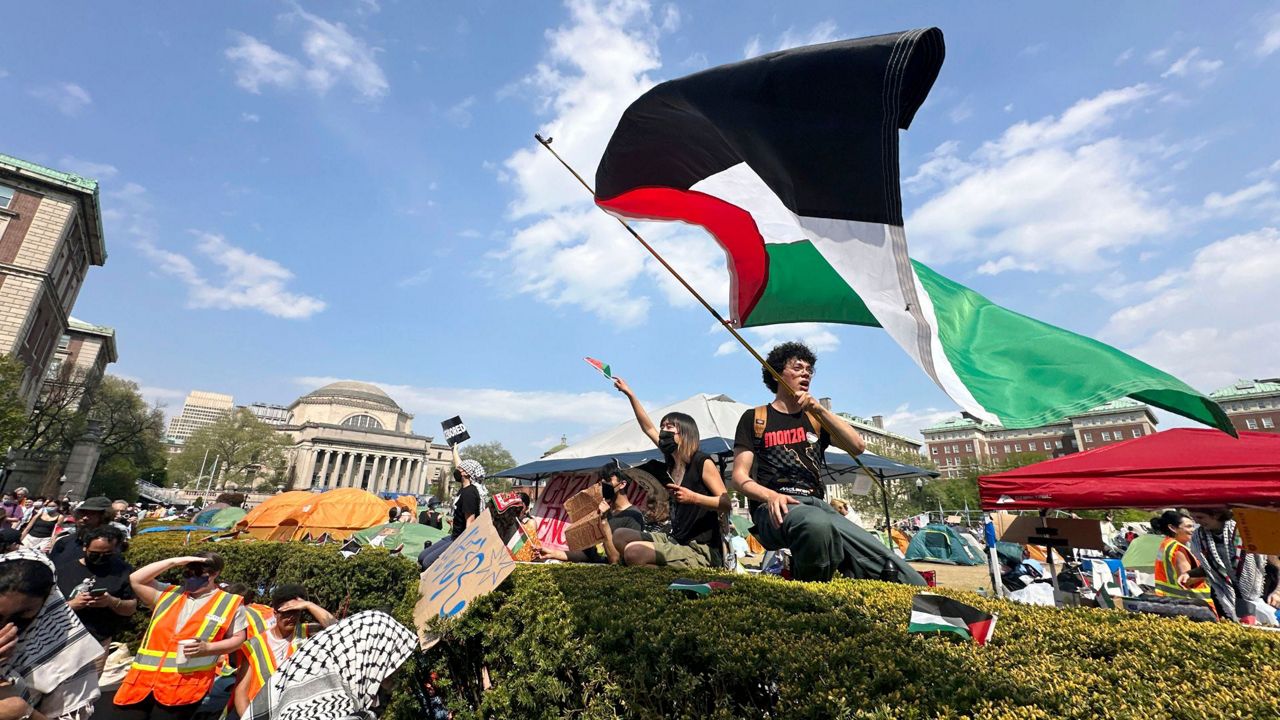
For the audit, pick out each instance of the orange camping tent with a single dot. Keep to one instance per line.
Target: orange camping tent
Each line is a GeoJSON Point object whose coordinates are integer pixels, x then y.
{"type": "Point", "coordinates": [900, 539]}
{"type": "Point", "coordinates": [262, 521]}
{"type": "Point", "coordinates": [339, 513]}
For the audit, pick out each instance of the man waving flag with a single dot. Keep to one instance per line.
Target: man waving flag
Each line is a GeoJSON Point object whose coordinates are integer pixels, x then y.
{"type": "Point", "coordinates": [791, 161]}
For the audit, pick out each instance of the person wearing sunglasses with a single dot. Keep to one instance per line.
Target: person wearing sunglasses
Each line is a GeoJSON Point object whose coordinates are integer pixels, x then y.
{"type": "Point", "coordinates": [97, 586]}
{"type": "Point", "coordinates": [192, 624]}
{"type": "Point", "coordinates": [283, 633]}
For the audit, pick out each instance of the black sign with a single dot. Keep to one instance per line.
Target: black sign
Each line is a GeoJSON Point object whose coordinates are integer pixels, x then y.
{"type": "Point", "coordinates": [454, 431]}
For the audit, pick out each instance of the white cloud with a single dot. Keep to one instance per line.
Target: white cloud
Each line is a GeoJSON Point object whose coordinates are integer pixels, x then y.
{"type": "Point", "coordinates": [1192, 65]}
{"type": "Point", "coordinates": [368, 7]}
{"type": "Point", "coordinates": [416, 279]}
{"type": "Point", "coordinates": [68, 98]}
{"type": "Point", "coordinates": [670, 18]}
{"type": "Point", "coordinates": [906, 421]}
{"type": "Point", "coordinates": [1045, 195]}
{"type": "Point", "coordinates": [825, 31]}
{"type": "Point", "coordinates": [1123, 57]}
{"type": "Point", "coordinates": [1240, 199]}
{"type": "Point", "coordinates": [1210, 322]}
{"type": "Point", "coordinates": [249, 117]}
{"type": "Point", "coordinates": [961, 112]}
{"type": "Point", "coordinates": [460, 113]}
{"type": "Point", "coordinates": [332, 56]}
{"type": "Point", "coordinates": [248, 281]}
{"type": "Point", "coordinates": [515, 406]}
{"type": "Point", "coordinates": [817, 336]}
{"type": "Point", "coordinates": [1270, 37]}
{"type": "Point", "coordinates": [86, 168]}
{"type": "Point", "coordinates": [567, 252]}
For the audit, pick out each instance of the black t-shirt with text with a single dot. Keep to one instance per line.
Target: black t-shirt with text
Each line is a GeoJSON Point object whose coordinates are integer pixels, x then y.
{"type": "Point", "coordinates": [468, 504]}
{"type": "Point", "coordinates": [101, 623]}
{"type": "Point", "coordinates": [788, 455]}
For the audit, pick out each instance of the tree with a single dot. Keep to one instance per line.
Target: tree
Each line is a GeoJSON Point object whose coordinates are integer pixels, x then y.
{"type": "Point", "coordinates": [243, 447]}
{"type": "Point", "coordinates": [494, 458]}
{"type": "Point", "coordinates": [13, 411]}
{"type": "Point", "coordinates": [130, 439]}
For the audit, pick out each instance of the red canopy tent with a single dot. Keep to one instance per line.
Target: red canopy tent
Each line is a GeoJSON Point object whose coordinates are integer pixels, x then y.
{"type": "Point", "coordinates": [1183, 467]}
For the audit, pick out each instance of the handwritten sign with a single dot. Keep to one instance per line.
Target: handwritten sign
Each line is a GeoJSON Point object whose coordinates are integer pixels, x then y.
{"type": "Point", "coordinates": [1259, 529]}
{"type": "Point", "coordinates": [476, 563]}
{"type": "Point", "coordinates": [454, 431]}
{"type": "Point", "coordinates": [552, 516]}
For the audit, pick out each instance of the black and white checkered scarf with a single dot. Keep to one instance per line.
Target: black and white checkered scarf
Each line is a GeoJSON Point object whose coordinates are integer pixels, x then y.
{"type": "Point", "coordinates": [54, 653]}
{"type": "Point", "coordinates": [335, 675]}
{"type": "Point", "coordinates": [1236, 580]}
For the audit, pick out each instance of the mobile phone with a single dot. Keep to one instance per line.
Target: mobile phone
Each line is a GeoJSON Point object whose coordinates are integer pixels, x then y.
{"type": "Point", "coordinates": [98, 592]}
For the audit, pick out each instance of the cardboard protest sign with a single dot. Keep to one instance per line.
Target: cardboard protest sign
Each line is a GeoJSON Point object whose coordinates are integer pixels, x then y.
{"type": "Point", "coordinates": [553, 518]}
{"type": "Point", "coordinates": [1059, 533]}
{"type": "Point", "coordinates": [1259, 529]}
{"type": "Point", "coordinates": [454, 431]}
{"type": "Point", "coordinates": [476, 563]}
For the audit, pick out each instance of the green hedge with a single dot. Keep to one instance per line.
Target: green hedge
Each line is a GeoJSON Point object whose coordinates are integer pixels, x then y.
{"type": "Point", "coordinates": [602, 642]}
{"type": "Point", "coordinates": [370, 580]}
{"type": "Point", "coordinates": [605, 642]}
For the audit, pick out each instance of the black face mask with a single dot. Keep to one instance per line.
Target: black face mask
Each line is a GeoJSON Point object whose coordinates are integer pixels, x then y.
{"type": "Point", "coordinates": [667, 442]}
{"type": "Point", "coordinates": [457, 475]}
{"type": "Point", "coordinates": [97, 559]}
{"type": "Point", "coordinates": [609, 492]}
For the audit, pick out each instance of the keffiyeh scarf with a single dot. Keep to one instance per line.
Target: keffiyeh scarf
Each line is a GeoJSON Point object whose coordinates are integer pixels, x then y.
{"type": "Point", "coordinates": [1236, 580]}
{"type": "Point", "coordinates": [335, 675]}
{"type": "Point", "coordinates": [54, 658]}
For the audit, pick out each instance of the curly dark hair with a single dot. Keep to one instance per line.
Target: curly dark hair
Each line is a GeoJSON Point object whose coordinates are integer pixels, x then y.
{"type": "Point", "coordinates": [780, 355]}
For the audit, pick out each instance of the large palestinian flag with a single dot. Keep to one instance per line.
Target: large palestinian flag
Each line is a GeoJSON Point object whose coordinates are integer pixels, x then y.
{"type": "Point", "coordinates": [791, 161]}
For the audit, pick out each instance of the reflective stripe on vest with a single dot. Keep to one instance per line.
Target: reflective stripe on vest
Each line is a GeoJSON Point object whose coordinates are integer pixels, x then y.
{"type": "Point", "coordinates": [258, 616]}
{"type": "Point", "coordinates": [262, 662]}
{"type": "Point", "coordinates": [1166, 575]}
{"type": "Point", "coordinates": [155, 669]}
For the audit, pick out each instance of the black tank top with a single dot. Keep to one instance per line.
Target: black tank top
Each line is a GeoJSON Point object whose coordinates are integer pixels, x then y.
{"type": "Point", "coordinates": [694, 523]}
{"type": "Point", "coordinates": [42, 528]}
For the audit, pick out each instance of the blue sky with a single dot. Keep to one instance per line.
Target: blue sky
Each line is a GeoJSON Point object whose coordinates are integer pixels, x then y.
{"type": "Point", "coordinates": [302, 192]}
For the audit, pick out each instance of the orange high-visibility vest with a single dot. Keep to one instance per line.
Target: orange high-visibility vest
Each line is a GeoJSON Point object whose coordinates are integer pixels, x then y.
{"type": "Point", "coordinates": [262, 662]}
{"type": "Point", "coordinates": [1167, 574]}
{"type": "Point", "coordinates": [155, 670]}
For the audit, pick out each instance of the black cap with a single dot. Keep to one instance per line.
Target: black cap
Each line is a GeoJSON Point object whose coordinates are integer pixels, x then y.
{"type": "Point", "coordinates": [96, 504]}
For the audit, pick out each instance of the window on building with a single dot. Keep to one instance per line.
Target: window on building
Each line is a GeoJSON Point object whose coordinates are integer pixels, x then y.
{"type": "Point", "coordinates": [968, 447]}
{"type": "Point", "coordinates": [1006, 448]}
{"type": "Point", "coordinates": [6, 196]}
{"type": "Point", "coordinates": [362, 421]}
{"type": "Point", "coordinates": [1251, 424]}
{"type": "Point", "coordinates": [1268, 423]}
{"type": "Point", "coordinates": [1047, 446]}
{"type": "Point", "coordinates": [946, 449]}
{"type": "Point", "coordinates": [934, 449]}
{"type": "Point", "coordinates": [63, 342]}
{"type": "Point", "coordinates": [1137, 432]}
{"type": "Point", "coordinates": [1017, 447]}
{"type": "Point", "coordinates": [1106, 436]}
{"type": "Point", "coordinates": [1088, 437]}
{"type": "Point", "coordinates": [1057, 444]}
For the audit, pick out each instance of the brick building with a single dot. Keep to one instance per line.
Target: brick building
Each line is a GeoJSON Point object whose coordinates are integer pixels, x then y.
{"type": "Point", "coordinates": [50, 233]}
{"type": "Point", "coordinates": [959, 443]}
{"type": "Point", "coordinates": [1251, 404]}
{"type": "Point", "coordinates": [82, 354]}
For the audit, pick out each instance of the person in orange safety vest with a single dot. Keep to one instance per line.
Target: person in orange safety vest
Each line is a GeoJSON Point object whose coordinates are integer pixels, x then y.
{"type": "Point", "coordinates": [192, 624]}
{"type": "Point", "coordinates": [265, 651]}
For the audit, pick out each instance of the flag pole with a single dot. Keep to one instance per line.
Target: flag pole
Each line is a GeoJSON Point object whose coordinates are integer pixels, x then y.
{"type": "Point", "coordinates": [546, 143]}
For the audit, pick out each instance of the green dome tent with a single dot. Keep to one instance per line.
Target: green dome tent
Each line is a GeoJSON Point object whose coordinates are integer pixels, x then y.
{"type": "Point", "coordinates": [942, 544]}
{"type": "Point", "coordinates": [226, 517]}
{"type": "Point", "coordinates": [413, 536]}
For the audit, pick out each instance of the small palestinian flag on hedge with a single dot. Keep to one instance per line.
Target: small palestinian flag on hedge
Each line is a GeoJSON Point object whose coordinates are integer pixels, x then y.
{"type": "Point", "coordinates": [935, 613]}
{"type": "Point", "coordinates": [697, 587]}
{"type": "Point", "coordinates": [790, 160]}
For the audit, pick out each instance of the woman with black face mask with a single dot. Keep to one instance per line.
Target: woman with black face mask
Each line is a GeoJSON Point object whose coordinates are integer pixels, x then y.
{"type": "Point", "coordinates": [96, 584]}
{"type": "Point", "coordinates": [697, 497]}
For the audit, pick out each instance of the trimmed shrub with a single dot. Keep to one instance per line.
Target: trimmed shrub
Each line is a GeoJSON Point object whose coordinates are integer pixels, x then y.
{"type": "Point", "coordinates": [601, 642]}
{"type": "Point", "coordinates": [370, 580]}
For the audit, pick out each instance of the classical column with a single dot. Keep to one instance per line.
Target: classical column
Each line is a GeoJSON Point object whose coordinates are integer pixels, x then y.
{"type": "Point", "coordinates": [359, 481]}
{"type": "Point", "coordinates": [344, 460]}
{"type": "Point", "coordinates": [346, 479]}
{"type": "Point", "coordinates": [301, 463]}
{"type": "Point", "coordinates": [375, 475]}
{"type": "Point", "coordinates": [397, 465]}
{"type": "Point", "coordinates": [324, 465]}
{"type": "Point", "coordinates": [415, 466]}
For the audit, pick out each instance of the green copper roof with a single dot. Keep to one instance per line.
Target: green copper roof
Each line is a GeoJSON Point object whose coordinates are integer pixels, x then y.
{"type": "Point", "coordinates": [70, 181]}
{"type": "Point", "coordinates": [869, 426]}
{"type": "Point", "coordinates": [960, 423]}
{"type": "Point", "coordinates": [1246, 388]}
{"type": "Point", "coordinates": [62, 178]}
{"type": "Point", "coordinates": [82, 326]}
{"type": "Point", "coordinates": [1118, 404]}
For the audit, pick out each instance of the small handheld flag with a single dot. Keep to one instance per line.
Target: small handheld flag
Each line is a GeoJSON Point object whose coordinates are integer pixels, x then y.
{"type": "Point", "coordinates": [695, 587]}
{"type": "Point", "coordinates": [600, 365]}
{"type": "Point", "coordinates": [935, 613]}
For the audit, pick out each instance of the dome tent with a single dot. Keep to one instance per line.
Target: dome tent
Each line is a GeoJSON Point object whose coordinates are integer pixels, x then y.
{"type": "Point", "coordinates": [940, 543]}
